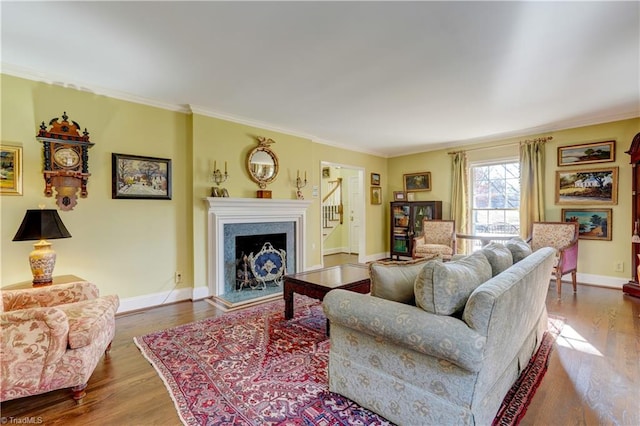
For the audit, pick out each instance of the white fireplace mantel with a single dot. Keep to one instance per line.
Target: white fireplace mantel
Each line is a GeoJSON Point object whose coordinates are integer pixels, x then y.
{"type": "Point", "coordinates": [223, 210]}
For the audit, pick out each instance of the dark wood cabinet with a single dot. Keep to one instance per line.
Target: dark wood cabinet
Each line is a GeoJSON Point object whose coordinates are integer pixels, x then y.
{"type": "Point", "coordinates": [633, 287]}
{"type": "Point", "coordinates": [406, 223]}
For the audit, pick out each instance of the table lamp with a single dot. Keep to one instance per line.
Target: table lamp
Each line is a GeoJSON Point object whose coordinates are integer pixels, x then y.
{"type": "Point", "coordinates": [40, 225]}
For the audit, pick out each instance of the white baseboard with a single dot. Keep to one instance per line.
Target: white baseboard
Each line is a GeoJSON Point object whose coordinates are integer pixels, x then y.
{"type": "Point", "coordinates": [599, 280]}
{"type": "Point", "coordinates": [336, 250]}
{"type": "Point", "coordinates": [157, 299]}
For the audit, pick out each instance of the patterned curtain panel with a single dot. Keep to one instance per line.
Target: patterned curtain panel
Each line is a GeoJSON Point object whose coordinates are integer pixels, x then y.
{"type": "Point", "coordinates": [531, 183]}
{"type": "Point", "coordinates": [459, 196]}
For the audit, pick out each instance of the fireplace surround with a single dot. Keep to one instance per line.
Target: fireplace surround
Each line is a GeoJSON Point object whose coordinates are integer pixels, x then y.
{"type": "Point", "coordinates": [228, 218]}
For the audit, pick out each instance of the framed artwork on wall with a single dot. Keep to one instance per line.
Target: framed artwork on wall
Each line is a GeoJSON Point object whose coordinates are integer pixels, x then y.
{"type": "Point", "coordinates": [138, 177]}
{"type": "Point", "coordinates": [326, 172]}
{"type": "Point", "coordinates": [598, 152]}
{"type": "Point", "coordinates": [376, 195]}
{"type": "Point", "coordinates": [414, 182]}
{"type": "Point", "coordinates": [587, 186]}
{"type": "Point", "coordinates": [399, 196]}
{"type": "Point", "coordinates": [10, 169]}
{"type": "Point", "coordinates": [595, 224]}
{"type": "Point", "coordinates": [375, 179]}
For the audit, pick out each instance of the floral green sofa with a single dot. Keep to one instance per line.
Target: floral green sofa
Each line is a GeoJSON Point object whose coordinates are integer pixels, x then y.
{"type": "Point", "coordinates": [451, 357]}
{"type": "Point", "coordinates": [53, 337]}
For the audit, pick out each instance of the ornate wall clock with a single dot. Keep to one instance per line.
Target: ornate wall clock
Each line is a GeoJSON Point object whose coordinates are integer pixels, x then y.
{"type": "Point", "coordinates": [65, 160]}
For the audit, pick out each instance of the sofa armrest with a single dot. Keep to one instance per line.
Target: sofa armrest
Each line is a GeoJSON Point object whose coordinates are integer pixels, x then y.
{"type": "Point", "coordinates": [51, 295]}
{"type": "Point", "coordinates": [568, 257]}
{"type": "Point", "coordinates": [36, 338]}
{"type": "Point", "coordinates": [443, 337]}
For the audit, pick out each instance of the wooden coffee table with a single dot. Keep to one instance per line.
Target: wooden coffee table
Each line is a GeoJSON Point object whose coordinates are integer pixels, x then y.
{"type": "Point", "coordinates": [318, 283]}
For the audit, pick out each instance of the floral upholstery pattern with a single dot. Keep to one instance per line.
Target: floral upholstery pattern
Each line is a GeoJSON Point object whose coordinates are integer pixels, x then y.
{"type": "Point", "coordinates": [439, 237]}
{"type": "Point", "coordinates": [499, 256]}
{"type": "Point", "coordinates": [443, 287]}
{"type": "Point", "coordinates": [415, 367]}
{"type": "Point", "coordinates": [563, 237]}
{"type": "Point", "coordinates": [53, 337]}
{"type": "Point", "coordinates": [519, 248]}
{"type": "Point", "coordinates": [394, 280]}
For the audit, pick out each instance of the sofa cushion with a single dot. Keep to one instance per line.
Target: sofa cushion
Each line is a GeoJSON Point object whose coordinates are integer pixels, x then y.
{"type": "Point", "coordinates": [443, 287]}
{"type": "Point", "coordinates": [89, 318]}
{"type": "Point", "coordinates": [393, 280]}
{"type": "Point", "coordinates": [499, 257]}
{"type": "Point", "coordinates": [519, 249]}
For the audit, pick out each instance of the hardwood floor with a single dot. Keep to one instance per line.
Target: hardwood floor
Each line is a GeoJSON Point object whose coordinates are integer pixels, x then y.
{"type": "Point", "coordinates": [593, 376]}
{"type": "Point", "coordinates": [339, 259]}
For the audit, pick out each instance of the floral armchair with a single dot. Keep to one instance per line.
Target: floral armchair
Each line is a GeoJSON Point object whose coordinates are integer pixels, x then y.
{"type": "Point", "coordinates": [438, 238]}
{"type": "Point", "coordinates": [53, 337]}
{"type": "Point", "coordinates": [562, 236]}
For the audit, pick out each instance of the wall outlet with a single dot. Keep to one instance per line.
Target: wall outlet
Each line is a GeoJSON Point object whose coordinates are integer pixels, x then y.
{"type": "Point", "coordinates": [178, 277]}
{"type": "Point", "coordinates": [618, 266]}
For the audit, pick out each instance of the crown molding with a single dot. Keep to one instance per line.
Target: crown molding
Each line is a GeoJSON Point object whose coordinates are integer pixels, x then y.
{"type": "Point", "coordinates": [61, 81]}
{"type": "Point", "coordinates": [195, 109]}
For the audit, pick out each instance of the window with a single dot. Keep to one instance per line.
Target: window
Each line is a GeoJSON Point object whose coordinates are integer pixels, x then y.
{"type": "Point", "coordinates": [495, 198]}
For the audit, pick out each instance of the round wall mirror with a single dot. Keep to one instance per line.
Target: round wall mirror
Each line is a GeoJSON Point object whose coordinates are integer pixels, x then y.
{"type": "Point", "coordinates": [262, 163]}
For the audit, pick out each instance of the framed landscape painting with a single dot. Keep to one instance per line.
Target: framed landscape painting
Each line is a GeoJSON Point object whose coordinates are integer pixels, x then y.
{"type": "Point", "coordinates": [594, 224]}
{"type": "Point", "coordinates": [134, 176]}
{"type": "Point", "coordinates": [10, 170]}
{"type": "Point", "coordinates": [598, 152]}
{"type": "Point", "coordinates": [414, 182]}
{"type": "Point", "coordinates": [587, 186]}
{"type": "Point", "coordinates": [375, 179]}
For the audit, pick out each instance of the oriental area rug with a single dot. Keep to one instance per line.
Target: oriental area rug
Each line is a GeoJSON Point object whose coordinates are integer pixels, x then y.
{"type": "Point", "coordinates": [253, 367]}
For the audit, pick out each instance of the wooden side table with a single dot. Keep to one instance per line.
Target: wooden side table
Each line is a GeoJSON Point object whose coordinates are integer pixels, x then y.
{"type": "Point", "coordinates": [60, 279]}
{"type": "Point", "coordinates": [316, 284]}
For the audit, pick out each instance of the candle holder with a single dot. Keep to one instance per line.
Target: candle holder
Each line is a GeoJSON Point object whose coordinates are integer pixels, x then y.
{"type": "Point", "coordinates": [218, 177]}
{"type": "Point", "coordinates": [300, 184]}
{"type": "Point", "coordinates": [635, 238]}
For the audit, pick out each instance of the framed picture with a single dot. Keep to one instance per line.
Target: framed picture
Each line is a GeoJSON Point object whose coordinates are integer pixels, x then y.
{"type": "Point", "coordinates": [598, 152]}
{"type": "Point", "coordinates": [375, 179]}
{"type": "Point", "coordinates": [399, 196]}
{"type": "Point", "coordinates": [414, 182]}
{"type": "Point", "coordinates": [10, 170]}
{"type": "Point", "coordinates": [587, 186]}
{"type": "Point", "coordinates": [326, 172]}
{"type": "Point", "coordinates": [376, 195]}
{"type": "Point", "coordinates": [134, 176]}
{"type": "Point", "coordinates": [595, 224]}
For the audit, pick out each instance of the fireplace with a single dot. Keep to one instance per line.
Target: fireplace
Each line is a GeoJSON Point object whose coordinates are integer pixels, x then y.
{"type": "Point", "coordinates": [268, 230]}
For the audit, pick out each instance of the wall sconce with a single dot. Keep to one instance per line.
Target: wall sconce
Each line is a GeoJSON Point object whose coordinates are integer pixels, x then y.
{"type": "Point", "coordinates": [300, 184]}
{"type": "Point", "coordinates": [219, 178]}
{"type": "Point", "coordinates": [40, 225]}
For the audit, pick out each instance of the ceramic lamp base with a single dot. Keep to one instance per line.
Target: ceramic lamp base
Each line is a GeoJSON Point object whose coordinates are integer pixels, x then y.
{"type": "Point", "coordinates": [42, 260]}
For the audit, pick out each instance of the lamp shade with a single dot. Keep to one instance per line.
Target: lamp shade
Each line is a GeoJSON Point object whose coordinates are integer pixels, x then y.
{"type": "Point", "coordinates": [41, 225]}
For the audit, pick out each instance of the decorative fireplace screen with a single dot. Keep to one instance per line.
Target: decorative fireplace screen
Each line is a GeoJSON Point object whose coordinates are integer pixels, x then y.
{"type": "Point", "coordinates": [267, 266]}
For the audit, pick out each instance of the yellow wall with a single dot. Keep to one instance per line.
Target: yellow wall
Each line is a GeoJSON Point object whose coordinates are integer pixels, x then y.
{"type": "Point", "coordinates": [128, 247]}
{"type": "Point", "coordinates": [596, 258]}
{"type": "Point", "coordinates": [134, 247]}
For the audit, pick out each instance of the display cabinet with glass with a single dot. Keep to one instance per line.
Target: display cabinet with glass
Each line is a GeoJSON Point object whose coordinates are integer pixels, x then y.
{"type": "Point", "coordinates": [406, 223]}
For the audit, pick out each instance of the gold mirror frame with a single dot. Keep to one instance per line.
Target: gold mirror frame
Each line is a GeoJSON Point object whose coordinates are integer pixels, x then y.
{"type": "Point", "coordinates": [262, 163]}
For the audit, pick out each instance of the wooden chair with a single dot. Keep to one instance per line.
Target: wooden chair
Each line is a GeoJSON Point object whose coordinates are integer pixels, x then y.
{"type": "Point", "coordinates": [438, 237]}
{"type": "Point", "coordinates": [563, 236]}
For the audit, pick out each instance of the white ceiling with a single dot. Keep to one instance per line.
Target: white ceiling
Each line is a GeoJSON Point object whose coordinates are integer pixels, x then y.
{"type": "Point", "coordinates": [383, 77]}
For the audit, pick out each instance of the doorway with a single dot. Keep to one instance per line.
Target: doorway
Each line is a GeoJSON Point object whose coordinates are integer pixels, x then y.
{"type": "Point", "coordinates": [343, 239]}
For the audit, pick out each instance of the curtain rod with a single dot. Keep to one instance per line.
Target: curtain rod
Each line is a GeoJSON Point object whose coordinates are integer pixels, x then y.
{"type": "Point", "coordinates": [526, 141]}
